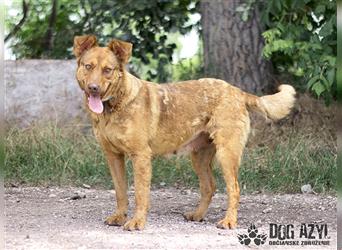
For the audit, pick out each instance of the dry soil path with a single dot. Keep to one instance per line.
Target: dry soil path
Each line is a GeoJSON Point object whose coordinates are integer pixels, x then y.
{"type": "Point", "coordinates": [72, 218]}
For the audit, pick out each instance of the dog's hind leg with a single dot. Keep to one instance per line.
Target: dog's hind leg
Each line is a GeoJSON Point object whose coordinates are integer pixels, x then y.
{"type": "Point", "coordinates": [202, 164]}
{"type": "Point", "coordinates": [229, 148]}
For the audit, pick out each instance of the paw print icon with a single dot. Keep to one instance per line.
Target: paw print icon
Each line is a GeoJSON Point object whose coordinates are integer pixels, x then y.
{"type": "Point", "coordinates": [260, 239]}
{"type": "Point", "coordinates": [252, 234]}
{"type": "Point", "coordinates": [244, 240]}
{"type": "Point", "coordinates": [252, 231]}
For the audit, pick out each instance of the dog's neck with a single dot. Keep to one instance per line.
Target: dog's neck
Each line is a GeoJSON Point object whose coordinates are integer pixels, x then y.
{"type": "Point", "coordinates": [125, 91]}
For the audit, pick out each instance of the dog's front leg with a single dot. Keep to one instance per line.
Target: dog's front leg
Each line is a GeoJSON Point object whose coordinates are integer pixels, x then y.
{"type": "Point", "coordinates": [117, 169]}
{"type": "Point", "coordinates": [142, 181]}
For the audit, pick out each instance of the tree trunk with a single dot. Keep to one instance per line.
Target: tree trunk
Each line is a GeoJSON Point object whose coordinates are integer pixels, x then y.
{"type": "Point", "coordinates": [233, 47]}
{"type": "Point", "coordinates": [48, 41]}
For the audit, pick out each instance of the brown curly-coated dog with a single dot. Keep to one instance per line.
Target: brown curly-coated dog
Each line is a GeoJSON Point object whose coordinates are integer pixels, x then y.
{"type": "Point", "coordinates": [139, 119]}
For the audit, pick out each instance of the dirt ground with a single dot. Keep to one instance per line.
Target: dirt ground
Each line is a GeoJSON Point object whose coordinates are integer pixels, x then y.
{"type": "Point", "coordinates": [72, 218]}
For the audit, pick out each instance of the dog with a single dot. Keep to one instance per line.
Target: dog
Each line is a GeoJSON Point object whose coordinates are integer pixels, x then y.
{"type": "Point", "coordinates": [139, 119]}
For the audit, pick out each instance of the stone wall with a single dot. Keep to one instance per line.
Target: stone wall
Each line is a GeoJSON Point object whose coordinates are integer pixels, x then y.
{"type": "Point", "coordinates": [39, 90]}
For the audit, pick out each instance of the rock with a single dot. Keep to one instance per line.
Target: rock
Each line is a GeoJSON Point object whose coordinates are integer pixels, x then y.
{"type": "Point", "coordinates": [322, 208]}
{"type": "Point", "coordinates": [267, 210]}
{"type": "Point", "coordinates": [162, 184]}
{"type": "Point", "coordinates": [52, 195]}
{"type": "Point", "coordinates": [86, 186]}
{"type": "Point", "coordinates": [77, 196]}
{"type": "Point", "coordinates": [186, 192]}
{"type": "Point", "coordinates": [306, 189]}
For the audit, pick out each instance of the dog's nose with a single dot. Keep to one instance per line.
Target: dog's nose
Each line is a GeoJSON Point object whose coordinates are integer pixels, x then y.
{"type": "Point", "coordinates": [93, 87]}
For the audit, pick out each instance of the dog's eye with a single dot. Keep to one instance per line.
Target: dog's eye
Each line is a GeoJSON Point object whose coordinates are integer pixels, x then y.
{"type": "Point", "coordinates": [87, 66]}
{"type": "Point", "coordinates": [107, 70]}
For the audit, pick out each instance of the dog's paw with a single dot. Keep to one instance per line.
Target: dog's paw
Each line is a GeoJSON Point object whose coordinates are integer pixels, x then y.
{"type": "Point", "coordinates": [252, 231]}
{"type": "Point", "coordinates": [243, 239]}
{"type": "Point", "coordinates": [227, 223]}
{"type": "Point", "coordinates": [116, 220]}
{"type": "Point", "coordinates": [135, 224]}
{"type": "Point", "coordinates": [193, 216]}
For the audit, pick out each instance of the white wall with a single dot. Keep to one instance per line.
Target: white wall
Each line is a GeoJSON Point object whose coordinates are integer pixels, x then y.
{"type": "Point", "coordinates": [42, 89]}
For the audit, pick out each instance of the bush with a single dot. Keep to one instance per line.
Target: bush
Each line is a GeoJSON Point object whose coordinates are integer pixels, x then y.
{"type": "Point", "coordinates": [300, 40]}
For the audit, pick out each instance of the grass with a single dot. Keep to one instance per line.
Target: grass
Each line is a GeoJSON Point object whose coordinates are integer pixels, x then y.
{"type": "Point", "coordinates": [48, 155]}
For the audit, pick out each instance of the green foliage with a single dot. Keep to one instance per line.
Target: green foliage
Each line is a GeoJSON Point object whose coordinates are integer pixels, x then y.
{"type": "Point", "coordinates": [300, 36]}
{"type": "Point", "coordinates": [245, 9]}
{"type": "Point", "coordinates": [145, 23]}
{"type": "Point", "coordinates": [189, 68]}
{"type": "Point", "coordinates": [47, 155]}
{"type": "Point", "coordinates": [300, 40]}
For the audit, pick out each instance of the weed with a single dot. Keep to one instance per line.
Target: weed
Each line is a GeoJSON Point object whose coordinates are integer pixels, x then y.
{"type": "Point", "coordinates": [48, 155]}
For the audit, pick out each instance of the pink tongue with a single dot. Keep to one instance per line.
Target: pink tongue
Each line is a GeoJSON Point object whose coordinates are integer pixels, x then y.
{"type": "Point", "coordinates": [95, 104]}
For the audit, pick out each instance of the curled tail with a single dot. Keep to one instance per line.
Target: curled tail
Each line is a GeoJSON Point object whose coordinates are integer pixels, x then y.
{"type": "Point", "coordinates": [275, 106]}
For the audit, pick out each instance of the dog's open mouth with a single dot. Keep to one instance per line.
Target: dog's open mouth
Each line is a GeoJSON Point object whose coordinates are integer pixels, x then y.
{"type": "Point", "coordinates": [95, 103]}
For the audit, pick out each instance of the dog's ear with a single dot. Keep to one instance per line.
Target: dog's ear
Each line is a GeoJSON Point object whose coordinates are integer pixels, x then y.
{"type": "Point", "coordinates": [83, 43]}
{"type": "Point", "coordinates": [122, 50]}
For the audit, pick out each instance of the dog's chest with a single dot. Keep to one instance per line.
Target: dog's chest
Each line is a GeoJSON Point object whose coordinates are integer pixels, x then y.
{"type": "Point", "coordinates": [111, 135]}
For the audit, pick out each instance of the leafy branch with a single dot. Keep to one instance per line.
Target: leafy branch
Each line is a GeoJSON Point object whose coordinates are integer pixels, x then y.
{"type": "Point", "coordinates": [13, 32]}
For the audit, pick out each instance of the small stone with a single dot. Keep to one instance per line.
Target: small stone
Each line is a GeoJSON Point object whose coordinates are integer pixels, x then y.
{"type": "Point", "coordinates": [162, 184]}
{"type": "Point", "coordinates": [86, 186]}
{"type": "Point", "coordinates": [78, 197]}
{"type": "Point", "coordinates": [256, 192]}
{"type": "Point", "coordinates": [186, 192]}
{"type": "Point", "coordinates": [52, 195]}
{"type": "Point", "coordinates": [267, 210]}
{"type": "Point", "coordinates": [306, 189]}
{"type": "Point", "coordinates": [27, 236]}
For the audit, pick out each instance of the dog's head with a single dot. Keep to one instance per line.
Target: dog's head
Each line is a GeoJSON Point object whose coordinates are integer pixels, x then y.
{"type": "Point", "coordinates": [100, 69]}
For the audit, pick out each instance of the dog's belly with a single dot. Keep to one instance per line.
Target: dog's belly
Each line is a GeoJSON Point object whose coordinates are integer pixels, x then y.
{"type": "Point", "coordinates": [179, 144]}
{"type": "Point", "coordinates": [197, 142]}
